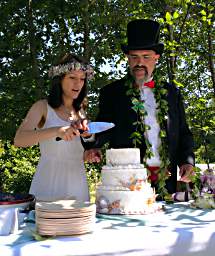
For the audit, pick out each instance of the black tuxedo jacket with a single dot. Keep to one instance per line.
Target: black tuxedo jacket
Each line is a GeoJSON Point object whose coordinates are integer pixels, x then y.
{"type": "Point", "coordinates": [116, 106]}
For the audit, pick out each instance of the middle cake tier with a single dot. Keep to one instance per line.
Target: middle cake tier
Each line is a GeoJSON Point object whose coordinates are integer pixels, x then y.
{"type": "Point", "coordinates": [130, 176]}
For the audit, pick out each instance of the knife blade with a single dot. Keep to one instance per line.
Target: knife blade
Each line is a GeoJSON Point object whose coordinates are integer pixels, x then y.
{"type": "Point", "coordinates": [95, 127]}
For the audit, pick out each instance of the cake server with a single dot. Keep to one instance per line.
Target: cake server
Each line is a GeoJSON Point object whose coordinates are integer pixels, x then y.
{"type": "Point", "coordinates": [96, 127]}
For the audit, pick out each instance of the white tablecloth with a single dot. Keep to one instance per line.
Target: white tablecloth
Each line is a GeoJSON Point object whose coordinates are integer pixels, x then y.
{"type": "Point", "coordinates": [179, 230]}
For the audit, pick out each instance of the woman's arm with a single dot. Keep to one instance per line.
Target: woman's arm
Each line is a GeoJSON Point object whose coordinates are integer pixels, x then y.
{"type": "Point", "coordinates": [27, 135]}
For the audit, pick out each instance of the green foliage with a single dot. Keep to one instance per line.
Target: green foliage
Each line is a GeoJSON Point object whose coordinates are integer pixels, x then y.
{"type": "Point", "coordinates": [34, 34]}
{"type": "Point", "coordinates": [17, 167]}
{"type": "Point", "coordinates": [94, 173]}
{"type": "Point", "coordinates": [93, 177]}
{"type": "Point", "coordinates": [201, 156]}
{"type": "Point", "coordinates": [196, 181]}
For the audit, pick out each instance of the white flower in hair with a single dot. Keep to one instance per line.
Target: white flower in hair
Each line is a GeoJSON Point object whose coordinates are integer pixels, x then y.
{"type": "Point", "coordinates": [67, 68]}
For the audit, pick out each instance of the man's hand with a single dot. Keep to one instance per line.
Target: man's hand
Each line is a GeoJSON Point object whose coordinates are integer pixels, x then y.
{"type": "Point", "coordinates": [186, 172]}
{"type": "Point", "coordinates": [82, 126]}
{"type": "Point", "coordinates": [92, 155]}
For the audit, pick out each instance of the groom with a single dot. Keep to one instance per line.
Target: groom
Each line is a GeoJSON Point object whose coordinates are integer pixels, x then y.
{"type": "Point", "coordinates": [143, 52]}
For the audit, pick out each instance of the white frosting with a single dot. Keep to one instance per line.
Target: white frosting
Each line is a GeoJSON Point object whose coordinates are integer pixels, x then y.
{"type": "Point", "coordinates": [122, 176]}
{"type": "Point", "coordinates": [123, 156]}
{"type": "Point", "coordinates": [124, 202]}
{"type": "Point", "coordinates": [124, 187]}
{"type": "Point", "coordinates": [147, 189]}
{"type": "Point", "coordinates": [120, 167]}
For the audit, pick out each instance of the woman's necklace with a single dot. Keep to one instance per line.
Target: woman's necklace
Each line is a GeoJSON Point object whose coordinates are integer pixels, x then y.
{"type": "Point", "coordinates": [69, 112]}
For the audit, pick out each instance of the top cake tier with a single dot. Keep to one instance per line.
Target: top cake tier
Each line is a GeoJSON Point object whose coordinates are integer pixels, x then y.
{"type": "Point", "coordinates": [123, 156]}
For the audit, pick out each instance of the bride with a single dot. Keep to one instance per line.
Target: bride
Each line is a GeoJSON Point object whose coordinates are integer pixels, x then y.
{"type": "Point", "coordinates": [54, 123]}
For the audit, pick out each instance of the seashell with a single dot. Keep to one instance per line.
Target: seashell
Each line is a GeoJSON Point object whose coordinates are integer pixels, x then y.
{"type": "Point", "coordinates": [104, 210]}
{"type": "Point", "coordinates": [103, 202]}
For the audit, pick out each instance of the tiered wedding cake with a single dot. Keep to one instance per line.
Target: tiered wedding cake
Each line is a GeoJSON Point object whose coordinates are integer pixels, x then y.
{"type": "Point", "coordinates": [124, 187]}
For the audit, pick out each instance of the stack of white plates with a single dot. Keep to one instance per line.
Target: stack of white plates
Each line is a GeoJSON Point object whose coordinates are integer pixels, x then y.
{"type": "Point", "coordinates": [65, 217]}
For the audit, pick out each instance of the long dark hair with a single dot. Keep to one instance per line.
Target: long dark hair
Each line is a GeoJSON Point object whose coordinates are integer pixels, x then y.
{"type": "Point", "coordinates": [55, 99]}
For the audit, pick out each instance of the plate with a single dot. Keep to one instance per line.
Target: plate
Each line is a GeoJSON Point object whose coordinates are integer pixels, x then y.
{"type": "Point", "coordinates": [15, 199]}
{"type": "Point", "coordinates": [65, 205]}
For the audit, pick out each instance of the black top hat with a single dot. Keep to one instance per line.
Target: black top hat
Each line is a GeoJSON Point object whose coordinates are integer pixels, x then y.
{"type": "Point", "coordinates": [143, 35]}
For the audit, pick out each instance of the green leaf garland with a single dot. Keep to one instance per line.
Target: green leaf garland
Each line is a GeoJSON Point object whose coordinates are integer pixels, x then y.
{"type": "Point", "coordinates": [137, 136]}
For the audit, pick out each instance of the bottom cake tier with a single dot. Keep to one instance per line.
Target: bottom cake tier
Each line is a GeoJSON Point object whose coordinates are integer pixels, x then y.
{"type": "Point", "coordinates": [109, 201]}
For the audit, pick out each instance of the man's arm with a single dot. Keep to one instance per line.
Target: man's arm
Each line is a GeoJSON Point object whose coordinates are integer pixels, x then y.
{"type": "Point", "coordinates": [186, 143]}
{"type": "Point", "coordinates": [186, 159]}
{"type": "Point", "coordinates": [104, 115]}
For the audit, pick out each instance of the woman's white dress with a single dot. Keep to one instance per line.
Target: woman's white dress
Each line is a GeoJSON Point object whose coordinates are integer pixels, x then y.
{"type": "Point", "coordinates": [60, 172]}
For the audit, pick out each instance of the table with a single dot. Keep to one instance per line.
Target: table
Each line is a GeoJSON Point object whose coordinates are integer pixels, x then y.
{"type": "Point", "coordinates": [180, 230]}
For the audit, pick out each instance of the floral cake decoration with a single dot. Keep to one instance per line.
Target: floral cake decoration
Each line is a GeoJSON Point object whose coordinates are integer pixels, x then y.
{"type": "Point", "coordinates": [203, 192]}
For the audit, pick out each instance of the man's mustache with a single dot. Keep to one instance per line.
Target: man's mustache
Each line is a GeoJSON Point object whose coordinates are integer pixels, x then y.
{"type": "Point", "coordinates": [140, 67]}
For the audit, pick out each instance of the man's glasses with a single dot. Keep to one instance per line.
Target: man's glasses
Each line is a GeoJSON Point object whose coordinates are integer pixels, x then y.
{"type": "Point", "coordinates": [145, 57]}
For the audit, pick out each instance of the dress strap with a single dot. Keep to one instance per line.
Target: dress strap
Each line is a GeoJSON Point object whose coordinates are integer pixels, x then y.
{"type": "Point", "coordinates": [52, 118]}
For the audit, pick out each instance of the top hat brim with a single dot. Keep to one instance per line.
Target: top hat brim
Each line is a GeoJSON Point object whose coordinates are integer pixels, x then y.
{"type": "Point", "coordinates": [158, 48]}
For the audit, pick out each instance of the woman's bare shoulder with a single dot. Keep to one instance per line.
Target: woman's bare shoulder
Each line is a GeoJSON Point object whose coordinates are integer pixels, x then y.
{"type": "Point", "coordinates": [40, 105]}
{"type": "Point", "coordinates": [38, 110]}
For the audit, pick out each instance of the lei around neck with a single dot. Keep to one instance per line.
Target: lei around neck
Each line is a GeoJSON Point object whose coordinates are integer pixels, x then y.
{"type": "Point", "coordinates": [140, 127]}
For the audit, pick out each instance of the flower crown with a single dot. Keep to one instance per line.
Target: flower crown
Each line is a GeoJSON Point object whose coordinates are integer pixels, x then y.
{"type": "Point", "coordinates": [67, 68]}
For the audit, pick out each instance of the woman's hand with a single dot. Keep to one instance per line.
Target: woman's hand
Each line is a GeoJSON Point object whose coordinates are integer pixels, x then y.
{"type": "Point", "coordinates": [77, 128]}
{"type": "Point", "coordinates": [67, 133]}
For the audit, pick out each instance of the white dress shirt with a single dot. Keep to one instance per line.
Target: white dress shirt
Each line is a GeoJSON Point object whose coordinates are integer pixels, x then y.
{"type": "Point", "coordinates": [152, 135]}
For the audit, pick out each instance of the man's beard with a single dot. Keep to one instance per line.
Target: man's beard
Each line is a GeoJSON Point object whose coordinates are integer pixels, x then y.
{"type": "Point", "coordinates": [144, 79]}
